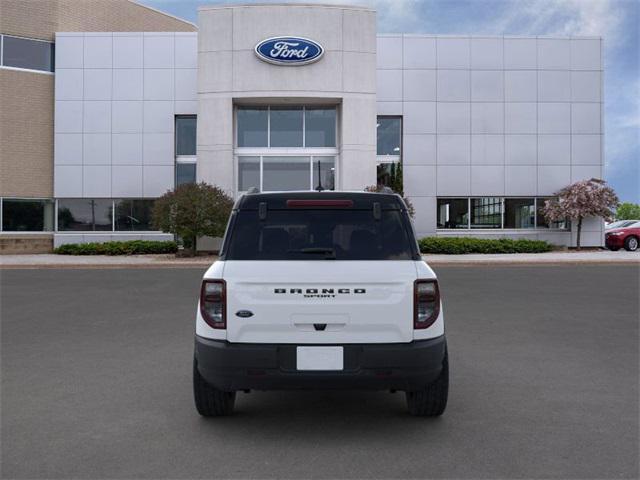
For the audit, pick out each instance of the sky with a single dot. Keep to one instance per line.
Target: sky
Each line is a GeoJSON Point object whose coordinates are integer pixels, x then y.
{"type": "Point", "coordinates": [617, 21]}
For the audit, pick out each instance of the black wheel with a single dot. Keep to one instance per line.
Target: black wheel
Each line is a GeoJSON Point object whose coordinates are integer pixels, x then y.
{"type": "Point", "coordinates": [211, 402]}
{"type": "Point", "coordinates": [631, 244]}
{"type": "Point", "coordinates": [432, 401]}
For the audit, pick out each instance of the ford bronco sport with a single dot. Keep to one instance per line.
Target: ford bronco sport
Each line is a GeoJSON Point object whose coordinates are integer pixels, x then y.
{"type": "Point", "coordinates": [318, 290]}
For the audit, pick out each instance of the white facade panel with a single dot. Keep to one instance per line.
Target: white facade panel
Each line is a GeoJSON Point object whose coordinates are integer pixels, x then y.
{"type": "Point", "coordinates": [487, 53]}
{"type": "Point", "coordinates": [520, 53]}
{"type": "Point", "coordinates": [453, 52]}
{"type": "Point", "coordinates": [106, 135]}
{"type": "Point", "coordinates": [418, 85]}
{"type": "Point", "coordinates": [520, 85]}
{"type": "Point", "coordinates": [487, 149]}
{"type": "Point", "coordinates": [453, 117]}
{"type": "Point", "coordinates": [419, 52]}
{"type": "Point", "coordinates": [554, 118]}
{"type": "Point", "coordinates": [487, 85]}
{"type": "Point", "coordinates": [454, 86]}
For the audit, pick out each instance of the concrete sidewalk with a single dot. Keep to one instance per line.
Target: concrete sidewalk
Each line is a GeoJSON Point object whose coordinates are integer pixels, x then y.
{"type": "Point", "coordinates": [151, 261]}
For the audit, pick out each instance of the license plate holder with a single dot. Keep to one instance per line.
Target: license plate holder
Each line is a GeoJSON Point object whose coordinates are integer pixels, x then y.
{"type": "Point", "coordinates": [320, 358]}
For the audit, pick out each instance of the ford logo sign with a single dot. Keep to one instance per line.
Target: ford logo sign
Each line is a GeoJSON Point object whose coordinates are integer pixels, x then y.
{"type": "Point", "coordinates": [289, 51]}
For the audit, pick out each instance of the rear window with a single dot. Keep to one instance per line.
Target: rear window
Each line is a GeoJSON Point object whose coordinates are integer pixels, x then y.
{"type": "Point", "coordinates": [319, 235]}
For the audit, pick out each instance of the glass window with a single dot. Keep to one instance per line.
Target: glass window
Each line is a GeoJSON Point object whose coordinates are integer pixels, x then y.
{"type": "Point", "coordinates": [519, 213]}
{"type": "Point", "coordinates": [83, 214]}
{"type": "Point", "coordinates": [26, 215]}
{"type": "Point", "coordinates": [186, 135]}
{"type": "Point", "coordinates": [541, 220]}
{"type": "Point", "coordinates": [453, 213]}
{"type": "Point", "coordinates": [486, 212]}
{"type": "Point", "coordinates": [324, 169]}
{"type": "Point", "coordinates": [320, 127]}
{"type": "Point", "coordinates": [133, 215]}
{"type": "Point", "coordinates": [285, 173]}
{"type": "Point", "coordinates": [185, 173]}
{"type": "Point", "coordinates": [389, 132]}
{"type": "Point", "coordinates": [343, 234]}
{"type": "Point", "coordinates": [26, 53]}
{"type": "Point", "coordinates": [252, 126]}
{"type": "Point", "coordinates": [285, 125]}
{"type": "Point", "coordinates": [248, 173]}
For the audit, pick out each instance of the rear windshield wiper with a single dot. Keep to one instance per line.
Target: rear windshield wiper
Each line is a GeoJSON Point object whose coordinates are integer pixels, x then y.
{"type": "Point", "coordinates": [330, 253]}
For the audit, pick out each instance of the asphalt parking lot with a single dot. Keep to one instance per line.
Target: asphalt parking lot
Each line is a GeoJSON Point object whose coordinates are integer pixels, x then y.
{"type": "Point", "coordinates": [96, 383]}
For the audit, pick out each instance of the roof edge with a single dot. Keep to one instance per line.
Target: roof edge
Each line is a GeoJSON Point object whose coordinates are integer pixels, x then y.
{"type": "Point", "coordinates": [137, 2]}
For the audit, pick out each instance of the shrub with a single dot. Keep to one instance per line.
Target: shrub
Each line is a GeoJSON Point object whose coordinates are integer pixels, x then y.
{"type": "Point", "coordinates": [462, 245]}
{"type": "Point", "coordinates": [132, 247]}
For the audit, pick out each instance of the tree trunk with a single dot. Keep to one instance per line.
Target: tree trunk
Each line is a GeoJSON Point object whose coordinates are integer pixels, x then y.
{"type": "Point", "coordinates": [578, 233]}
{"type": "Point", "coordinates": [194, 246]}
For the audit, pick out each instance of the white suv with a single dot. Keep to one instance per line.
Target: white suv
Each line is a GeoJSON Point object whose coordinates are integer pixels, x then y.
{"type": "Point", "coordinates": [318, 290]}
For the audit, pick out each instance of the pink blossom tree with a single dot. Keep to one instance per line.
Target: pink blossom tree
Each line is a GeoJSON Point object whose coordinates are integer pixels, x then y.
{"type": "Point", "coordinates": [586, 198]}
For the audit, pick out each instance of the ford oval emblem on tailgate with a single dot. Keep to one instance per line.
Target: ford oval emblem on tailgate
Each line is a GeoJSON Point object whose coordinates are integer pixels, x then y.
{"type": "Point", "coordinates": [244, 313]}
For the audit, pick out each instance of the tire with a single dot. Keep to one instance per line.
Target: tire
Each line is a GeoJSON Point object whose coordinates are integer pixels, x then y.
{"type": "Point", "coordinates": [432, 401]}
{"type": "Point", "coordinates": [631, 243]}
{"type": "Point", "coordinates": [211, 402]}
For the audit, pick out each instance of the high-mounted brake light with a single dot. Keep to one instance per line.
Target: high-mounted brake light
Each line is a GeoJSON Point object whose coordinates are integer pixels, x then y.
{"type": "Point", "coordinates": [319, 203]}
{"type": "Point", "coordinates": [213, 303]}
{"type": "Point", "coordinates": [426, 303]}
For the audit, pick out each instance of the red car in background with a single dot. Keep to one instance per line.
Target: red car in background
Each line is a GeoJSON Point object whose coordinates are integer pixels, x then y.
{"type": "Point", "coordinates": [626, 237]}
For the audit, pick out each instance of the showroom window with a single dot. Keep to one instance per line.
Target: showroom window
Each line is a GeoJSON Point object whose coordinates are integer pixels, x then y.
{"type": "Point", "coordinates": [519, 213]}
{"type": "Point", "coordinates": [97, 215]}
{"type": "Point", "coordinates": [26, 53]}
{"type": "Point", "coordinates": [486, 212]}
{"type": "Point", "coordinates": [85, 215]}
{"type": "Point", "coordinates": [542, 222]}
{"type": "Point", "coordinates": [453, 213]}
{"type": "Point", "coordinates": [389, 152]}
{"type": "Point", "coordinates": [284, 148]}
{"type": "Point", "coordinates": [133, 215]}
{"type": "Point", "coordinates": [493, 213]}
{"type": "Point", "coordinates": [186, 140]}
{"type": "Point", "coordinates": [26, 215]}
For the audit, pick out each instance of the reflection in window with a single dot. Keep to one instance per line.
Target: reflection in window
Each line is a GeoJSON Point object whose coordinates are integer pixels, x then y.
{"type": "Point", "coordinates": [26, 215]}
{"type": "Point", "coordinates": [541, 220]}
{"type": "Point", "coordinates": [389, 133]}
{"type": "Point", "coordinates": [285, 125]}
{"type": "Point", "coordinates": [248, 173]}
{"type": "Point", "coordinates": [285, 173]}
{"type": "Point", "coordinates": [186, 135]}
{"type": "Point", "coordinates": [185, 173]}
{"type": "Point", "coordinates": [26, 53]}
{"type": "Point", "coordinates": [519, 213]}
{"type": "Point", "coordinates": [252, 126]}
{"type": "Point", "coordinates": [320, 127]}
{"type": "Point", "coordinates": [86, 215]}
{"type": "Point", "coordinates": [486, 212]}
{"type": "Point", "coordinates": [453, 213]}
{"type": "Point", "coordinates": [133, 215]}
{"type": "Point", "coordinates": [324, 169]}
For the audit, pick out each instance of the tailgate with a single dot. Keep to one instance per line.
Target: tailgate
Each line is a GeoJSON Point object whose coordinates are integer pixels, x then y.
{"type": "Point", "coordinates": [320, 302]}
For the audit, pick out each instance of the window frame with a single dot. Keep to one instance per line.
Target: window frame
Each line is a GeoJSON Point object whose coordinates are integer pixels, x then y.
{"type": "Point", "coordinates": [28, 199]}
{"type": "Point", "coordinates": [22, 69]}
{"type": "Point", "coordinates": [312, 156]}
{"type": "Point", "coordinates": [469, 228]}
{"type": "Point", "coordinates": [268, 151]}
{"type": "Point", "coordinates": [183, 159]}
{"type": "Point", "coordinates": [304, 129]}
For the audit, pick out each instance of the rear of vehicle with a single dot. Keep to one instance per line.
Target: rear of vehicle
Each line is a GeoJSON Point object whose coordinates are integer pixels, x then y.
{"type": "Point", "coordinates": [320, 290]}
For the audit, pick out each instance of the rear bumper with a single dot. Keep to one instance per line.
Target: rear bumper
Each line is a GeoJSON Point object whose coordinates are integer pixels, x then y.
{"type": "Point", "coordinates": [395, 366]}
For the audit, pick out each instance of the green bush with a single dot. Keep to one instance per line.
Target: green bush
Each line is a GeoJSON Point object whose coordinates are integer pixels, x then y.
{"type": "Point", "coordinates": [461, 245]}
{"type": "Point", "coordinates": [132, 247]}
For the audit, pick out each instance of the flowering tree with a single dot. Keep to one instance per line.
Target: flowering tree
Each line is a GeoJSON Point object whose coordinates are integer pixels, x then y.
{"type": "Point", "coordinates": [193, 210]}
{"type": "Point", "coordinates": [586, 198]}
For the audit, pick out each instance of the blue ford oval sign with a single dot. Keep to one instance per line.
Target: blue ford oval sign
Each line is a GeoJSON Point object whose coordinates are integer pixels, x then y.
{"type": "Point", "coordinates": [289, 51]}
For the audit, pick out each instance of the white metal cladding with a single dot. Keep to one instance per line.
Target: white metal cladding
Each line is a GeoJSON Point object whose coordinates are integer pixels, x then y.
{"type": "Point", "coordinates": [116, 96]}
{"type": "Point", "coordinates": [493, 116]}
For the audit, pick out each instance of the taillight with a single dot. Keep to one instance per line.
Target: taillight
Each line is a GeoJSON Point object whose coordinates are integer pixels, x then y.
{"type": "Point", "coordinates": [213, 303]}
{"type": "Point", "coordinates": [426, 304]}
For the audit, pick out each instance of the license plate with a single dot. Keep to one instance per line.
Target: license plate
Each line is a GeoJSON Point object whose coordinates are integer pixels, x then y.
{"type": "Point", "coordinates": [320, 358]}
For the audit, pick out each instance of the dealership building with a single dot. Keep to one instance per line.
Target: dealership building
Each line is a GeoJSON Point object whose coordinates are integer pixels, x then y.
{"type": "Point", "coordinates": [107, 105]}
